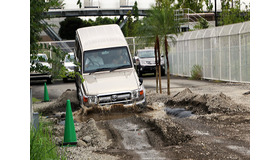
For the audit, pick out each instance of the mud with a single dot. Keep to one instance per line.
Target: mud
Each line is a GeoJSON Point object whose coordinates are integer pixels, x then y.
{"type": "Point", "coordinates": [184, 125]}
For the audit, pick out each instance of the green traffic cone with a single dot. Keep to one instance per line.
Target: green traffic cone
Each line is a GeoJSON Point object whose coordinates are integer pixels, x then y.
{"type": "Point", "coordinates": [69, 129]}
{"type": "Point", "coordinates": [46, 94]}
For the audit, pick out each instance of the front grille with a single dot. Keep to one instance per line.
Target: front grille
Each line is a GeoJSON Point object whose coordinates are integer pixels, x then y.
{"type": "Point", "coordinates": [123, 98]}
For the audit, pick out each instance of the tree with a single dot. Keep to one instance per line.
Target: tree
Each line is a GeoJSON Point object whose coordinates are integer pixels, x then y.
{"type": "Point", "coordinates": [232, 13]}
{"type": "Point", "coordinates": [37, 8]}
{"type": "Point", "coordinates": [202, 24]}
{"type": "Point", "coordinates": [69, 26]}
{"type": "Point", "coordinates": [169, 26]}
{"type": "Point", "coordinates": [195, 5]}
{"type": "Point", "coordinates": [148, 32]}
{"type": "Point", "coordinates": [158, 26]}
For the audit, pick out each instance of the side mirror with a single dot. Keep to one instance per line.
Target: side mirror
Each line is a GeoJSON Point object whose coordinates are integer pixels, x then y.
{"type": "Point", "coordinates": [141, 81]}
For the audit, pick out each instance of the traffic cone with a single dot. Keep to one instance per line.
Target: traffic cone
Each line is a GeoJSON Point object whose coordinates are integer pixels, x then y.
{"type": "Point", "coordinates": [69, 128]}
{"type": "Point", "coordinates": [46, 94]}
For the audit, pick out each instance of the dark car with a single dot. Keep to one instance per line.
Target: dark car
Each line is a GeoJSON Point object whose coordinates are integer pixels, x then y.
{"type": "Point", "coordinates": [144, 61]}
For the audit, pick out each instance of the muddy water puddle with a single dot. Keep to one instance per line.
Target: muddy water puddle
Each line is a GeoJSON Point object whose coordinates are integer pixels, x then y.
{"type": "Point", "coordinates": [178, 112]}
{"type": "Point", "coordinates": [103, 117]}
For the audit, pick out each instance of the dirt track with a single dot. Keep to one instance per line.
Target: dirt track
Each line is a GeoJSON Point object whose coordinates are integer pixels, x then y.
{"type": "Point", "coordinates": [219, 127]}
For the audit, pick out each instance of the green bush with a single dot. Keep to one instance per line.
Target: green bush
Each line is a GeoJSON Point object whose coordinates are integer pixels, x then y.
{"type": "Point", "coordinates": [42, 145]}
{"type": "Point", "coordinates": [196, 73]}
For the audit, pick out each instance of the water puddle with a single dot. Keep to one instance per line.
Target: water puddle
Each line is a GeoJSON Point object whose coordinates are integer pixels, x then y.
{"type": "Point", "coordinates": [135, 138]}
{"type": "Point", "coordinates": [239, 149]}
{"type": "Point", "coordinates": [178, 112]}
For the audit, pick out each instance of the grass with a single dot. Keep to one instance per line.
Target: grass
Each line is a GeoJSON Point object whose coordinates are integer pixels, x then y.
{"type": "Point", "coordinates": [42, 145]}
{"type": "Point", "coordinates": [196, 72]}
{"type": "Point", "coordinates": [35, 100]}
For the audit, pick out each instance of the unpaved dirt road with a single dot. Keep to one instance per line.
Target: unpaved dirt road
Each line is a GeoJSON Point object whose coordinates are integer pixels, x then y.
{"type": "Point", "coordinates": [199, 120]}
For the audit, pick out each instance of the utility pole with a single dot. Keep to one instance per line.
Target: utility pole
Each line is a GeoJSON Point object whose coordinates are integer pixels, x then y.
{"type": "Point", "coordinates": [216, 23]}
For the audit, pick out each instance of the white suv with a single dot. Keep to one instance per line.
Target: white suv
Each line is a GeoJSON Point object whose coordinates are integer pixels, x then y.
{"type": "Point", "coordinates": [108, 75]}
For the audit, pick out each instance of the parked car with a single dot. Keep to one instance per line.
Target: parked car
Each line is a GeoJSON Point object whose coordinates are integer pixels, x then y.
{"type": "Point", "coordinates": [107, 73]}
{"type": "Point", "coordinates": [70, 66]}
{"type": "Point", "coordinates": [43, 73]}
{"type": "Point", "coordinates": [145, 62]}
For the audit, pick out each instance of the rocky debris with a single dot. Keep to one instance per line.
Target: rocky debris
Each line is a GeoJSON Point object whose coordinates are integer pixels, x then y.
{"type": "Point", "coordinates": [173, 134]}
{"type": "Point", "coordinates": [204, 104]}
{"type": "Point", "coordinates": [246, 93]}
{"type": "Point", "coordinates": [60, 104]}
{"type": "Point", "coordinates": [81, 153]}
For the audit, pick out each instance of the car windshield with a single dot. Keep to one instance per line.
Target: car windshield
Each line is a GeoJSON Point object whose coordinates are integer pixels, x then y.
{"type": "Point", "coordinates": [146, 54]}
{"type": "Point", "coordinates": [69, 58]}
{"type": "Point", "coordinates": [109, 59]}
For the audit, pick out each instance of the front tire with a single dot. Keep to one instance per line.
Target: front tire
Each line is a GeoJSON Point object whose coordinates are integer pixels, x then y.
{"type": "Point", "coordinates": [49, 81]}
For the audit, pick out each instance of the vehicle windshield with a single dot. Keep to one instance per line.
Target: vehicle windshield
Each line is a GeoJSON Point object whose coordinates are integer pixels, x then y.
{"type": "Point", "coordinates": [108, 59]}
{"type": "Point", "coordinates": [146, 54]}
{"type": "Point", "coordinates": [69, 58]}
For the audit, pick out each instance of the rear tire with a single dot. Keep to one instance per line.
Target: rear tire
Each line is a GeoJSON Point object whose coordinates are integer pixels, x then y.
{"type": "Point", "coordinates": [49, 81]}
{"type": "Point", "coordinates": [65, 80]}
{"type": "Point", "coordinates": [139, 73]}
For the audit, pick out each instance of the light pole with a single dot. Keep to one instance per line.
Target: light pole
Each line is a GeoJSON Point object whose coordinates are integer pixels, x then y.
{"type": "Point", "coordinates": [216, 23]}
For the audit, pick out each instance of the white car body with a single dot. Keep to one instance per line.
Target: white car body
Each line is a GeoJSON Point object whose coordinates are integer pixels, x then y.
{"type": "Point", "coordinates": [106, 82]}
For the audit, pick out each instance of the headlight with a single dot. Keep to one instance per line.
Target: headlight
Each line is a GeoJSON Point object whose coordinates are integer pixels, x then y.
{"type": "Point", "coordinates": [92, 99]}
{"type": "Point", "coordinates": [143, 62]}
{"type": "Point", "coordinates": [138, 94]}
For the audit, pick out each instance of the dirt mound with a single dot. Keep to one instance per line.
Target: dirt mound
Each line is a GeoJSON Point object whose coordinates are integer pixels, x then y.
{"type": "Point", "coordinates": [204, 104]}
{"type": "Point", "coordinates": [172, 134]}
{"type": "Point", "coordinates": [60, 104]}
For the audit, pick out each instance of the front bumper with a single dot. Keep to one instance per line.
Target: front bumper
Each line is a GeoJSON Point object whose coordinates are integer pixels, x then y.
{"type": "Point", "coordinates": [149, 69]}
{"type": "Point", "coordinates": [127, 98]}
{"type": "Point", "coordinates": [40, 76]}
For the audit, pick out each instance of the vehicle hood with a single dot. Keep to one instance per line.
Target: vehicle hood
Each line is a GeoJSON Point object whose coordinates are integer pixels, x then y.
{"type": "Point", "coordinates": [108, 82]}
{"type": "Point", "coordinates": [151, 61]}
{"type": "Point", "coordinates": [69, 64]}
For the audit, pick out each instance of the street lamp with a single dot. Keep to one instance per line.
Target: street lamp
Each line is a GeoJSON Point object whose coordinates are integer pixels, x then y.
{"type": "Point", "coordinates": [216, 23]}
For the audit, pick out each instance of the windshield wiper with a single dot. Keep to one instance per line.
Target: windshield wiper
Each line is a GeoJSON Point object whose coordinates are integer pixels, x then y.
{"type": "Point", "coordinates": [119, 67]}
{"type": "Point", "coordinates": [99, 69]}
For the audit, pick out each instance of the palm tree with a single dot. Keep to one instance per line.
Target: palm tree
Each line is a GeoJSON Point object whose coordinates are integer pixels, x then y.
{"type": "Point", "coordinates": [159, 25]}
{"type": "Point", "coordinates": [169, 26]}
{"type": "Point", "coordinates": [150, 34]}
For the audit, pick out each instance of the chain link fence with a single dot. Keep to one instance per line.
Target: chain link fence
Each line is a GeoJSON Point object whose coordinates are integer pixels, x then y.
{"type": "Point", "coordinates": [223, 53]}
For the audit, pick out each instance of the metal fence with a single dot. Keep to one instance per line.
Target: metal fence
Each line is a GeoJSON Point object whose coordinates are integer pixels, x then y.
{"type": "Point", "coordinates": [223, 52]}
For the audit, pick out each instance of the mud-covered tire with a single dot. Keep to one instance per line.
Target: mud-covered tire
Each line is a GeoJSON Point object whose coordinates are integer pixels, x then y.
{"type": "Point", "coordinates": [49, 81]}
{"type": "Point", "coordinates": [65, 80]}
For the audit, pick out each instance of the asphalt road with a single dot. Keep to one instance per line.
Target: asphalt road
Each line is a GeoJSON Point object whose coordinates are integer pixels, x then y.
{"type": "Point", "coordinates": [58, 86]}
